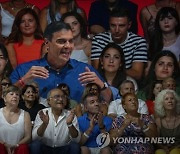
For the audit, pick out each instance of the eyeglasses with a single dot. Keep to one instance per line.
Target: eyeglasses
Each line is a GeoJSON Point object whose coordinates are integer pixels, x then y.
{"type": "Point", "coordinates": [55, 97]}
{"type": "Point", "coordinates": [5, 84]}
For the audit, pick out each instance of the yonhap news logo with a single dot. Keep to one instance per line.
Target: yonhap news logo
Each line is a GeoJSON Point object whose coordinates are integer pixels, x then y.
{"type": "Point", "coordinates": [103, 140]}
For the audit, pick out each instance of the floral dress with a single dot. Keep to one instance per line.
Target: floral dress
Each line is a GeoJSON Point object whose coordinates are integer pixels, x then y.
{"type": "Point", "coordinates": [133, 139]}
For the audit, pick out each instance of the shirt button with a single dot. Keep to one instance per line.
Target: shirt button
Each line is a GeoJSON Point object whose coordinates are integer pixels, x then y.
{"type": "Point", "coordinates": [57, 72]}
{"type": "Point", "coordinates": [57, 85]}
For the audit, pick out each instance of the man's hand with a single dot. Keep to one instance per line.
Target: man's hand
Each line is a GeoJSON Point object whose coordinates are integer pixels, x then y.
{"type": "Point", "coordinates": [36, 72]}
{"type": "Point", "coordinates": [70, 117]}
{"type": "Point", "coordinates": [44, 117]}
{"type": "Point", "coordinates": [90, 77]}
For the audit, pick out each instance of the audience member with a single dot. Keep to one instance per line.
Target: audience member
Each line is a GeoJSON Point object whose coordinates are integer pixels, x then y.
{"type": "Point", "coordinates": [169, 83]}
{"type": "Point", "coordinates": [98, 19]}
{"type": "Point", "coordinates": [133, 125]}
{"type": "Point", "coordinates": [167, 30]}
{"type": "Point", "coordinates": [5, 66]}
{"type": "Point", "coordinates": [95, 89]}
{"type": "Point", "coordinates": [24, 42]}
{"type": "Point", "coordinates": [163, 65]}
{"type": "Point", "coordinates": [116, 107]}
{"type": "Point", "coordinates": [148, 15]}
{"type": "Point", "coordinates": [56, 9]}
{"type": "Point", "coordinates": [82, 46]}
{"type": "Point", "coordinates": [91, 124]}
{"type": "Point", "coordinates": [151, 94]}
{"type": "Point", "coordinates": [57, 67]}
{"type": "Point", "coordinates": [29, 102]}
{"type": "Point", "coordinates": [63, 122]}
{"type": "Point", "coordinates": [5, 83]}
{"type": "Point", "coordinates": [64, 87]}
{"type": "Point", "coordinates": [8, 11]}
{"type": "Point", "coordinates": [134, 46]}
{"type": "Point", "coordinates": [167, 107]}
{"type": "Point", "coordinates": [42, 100]}
{"type": "Point", "coordinates": [15, 124]}
{"type": "Point", "coordinates": [112, 65]}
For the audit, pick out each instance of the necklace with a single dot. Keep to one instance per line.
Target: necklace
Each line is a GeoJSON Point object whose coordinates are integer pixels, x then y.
{"type": "Point", "coordinates": [15, 8]}
{"type": "Point", "coordinates": [169, 42]}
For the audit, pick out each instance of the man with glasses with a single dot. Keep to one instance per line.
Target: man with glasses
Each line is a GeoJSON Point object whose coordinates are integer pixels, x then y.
{"type": "Point", "coordinates": [56, 127]}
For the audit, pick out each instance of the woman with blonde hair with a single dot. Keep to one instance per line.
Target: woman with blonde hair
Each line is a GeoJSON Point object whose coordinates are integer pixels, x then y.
{"type": "Point", "coordinates": [167, 108]}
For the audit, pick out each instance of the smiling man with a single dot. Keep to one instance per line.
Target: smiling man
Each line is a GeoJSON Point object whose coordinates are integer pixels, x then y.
{"type": "Point", "coordinates": [56, 66]}
{"type": "Point", "coordinates": [57, 128]}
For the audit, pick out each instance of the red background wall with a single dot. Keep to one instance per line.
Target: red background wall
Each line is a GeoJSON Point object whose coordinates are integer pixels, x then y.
{"type": "Point", "coordinates": [85, 4]}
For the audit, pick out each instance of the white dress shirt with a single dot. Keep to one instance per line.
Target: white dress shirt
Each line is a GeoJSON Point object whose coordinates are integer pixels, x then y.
{"type": "Point", "coordinates": [57, 133]}
{"type": "Point", "coordinates": [115, 107]}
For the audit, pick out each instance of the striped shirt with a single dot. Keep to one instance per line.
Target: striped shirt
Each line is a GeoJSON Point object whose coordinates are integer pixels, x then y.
{"type": "Point", "coordinates": [134, 47]}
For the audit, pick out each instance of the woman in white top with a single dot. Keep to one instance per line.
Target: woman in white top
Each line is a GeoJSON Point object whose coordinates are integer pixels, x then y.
{"type": "Point", "coordinates": [15, 124]}
{"type": "Point", "coordinates": [82, 46]}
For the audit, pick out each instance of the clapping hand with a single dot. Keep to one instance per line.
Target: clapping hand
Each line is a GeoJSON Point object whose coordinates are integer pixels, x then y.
{"type": "Point", "coordinates": [44, 117]}
{"type": "Point", "coordinates": [70, 117]}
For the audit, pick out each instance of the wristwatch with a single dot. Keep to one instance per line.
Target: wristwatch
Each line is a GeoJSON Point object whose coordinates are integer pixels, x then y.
{"type": "Point", "coordinates": [105, 86]}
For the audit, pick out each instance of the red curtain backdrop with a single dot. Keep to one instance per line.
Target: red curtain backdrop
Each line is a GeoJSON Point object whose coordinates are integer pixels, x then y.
{"type": "Point", "coordinates": [85, 4]}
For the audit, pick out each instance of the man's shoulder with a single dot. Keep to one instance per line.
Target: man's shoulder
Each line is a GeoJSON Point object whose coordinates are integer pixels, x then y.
{"type": "Point", "coordinates": [82, 118]}
{"type": "Point", "coordinates": [103, 34]}
{"type": "Point", "coordinates": [136, 37]}
{"type": "Point", "coordinates": [31, 63]}
{"type": "Point", "coordinates": [103, 37]}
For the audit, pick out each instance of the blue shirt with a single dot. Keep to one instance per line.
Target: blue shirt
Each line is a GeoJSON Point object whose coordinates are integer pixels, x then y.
{"type": "Point", "coordinates": [69, 74]}
{"type": "Point", "coordinates": [84, 123]}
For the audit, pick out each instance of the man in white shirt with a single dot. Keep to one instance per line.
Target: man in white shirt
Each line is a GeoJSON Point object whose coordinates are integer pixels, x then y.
{"type": "Point", "coordinates": [116, 109]}
{"type": "Point", "coordinates": [56, 127]}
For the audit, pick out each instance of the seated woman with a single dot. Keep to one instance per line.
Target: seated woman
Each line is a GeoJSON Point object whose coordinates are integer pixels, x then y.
{"type": "Point", "coordinates": [167, 107]}
{"type": "Point", "coordinates": [5, 83]}
{"type": "Point", "coordinates": [56, 9]}
{"type": "Point", "coordinates": [133, 125]}
{"type": "Point", "coordinates": [164, 65]}
{"type": "Point", "coordinates": [15, 124]}
{"type": "Point", "coordinates": [30, 102]}
{"type": "Point", "coordinates": [155, 88]}
{"type": "Point", "coordinates": [8, 11]}
{"type": "Point", "coordinates": [82, 46]}
{"type": "Point", "coordinates": [25, 41]}
{"type": "Point", "coordinates": [116, 108]}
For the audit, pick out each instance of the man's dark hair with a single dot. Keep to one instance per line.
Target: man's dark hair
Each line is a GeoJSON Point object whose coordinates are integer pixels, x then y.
{"type": "Point", "coordinates": [55, 27]}
{"type": "Point", "coordinates": [120, 12]}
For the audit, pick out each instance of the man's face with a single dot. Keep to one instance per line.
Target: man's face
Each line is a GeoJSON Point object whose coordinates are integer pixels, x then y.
{"type": "Point", "coordinates": [127, 88]}
{"type": "Point", "coordinates": [61, 46]}
{"type": "Point", "coordinates": [92, 104]}
{"type": "Point", "coordinates": [119, 27]}
{"type": "Point", "coordinates": [57, 99]}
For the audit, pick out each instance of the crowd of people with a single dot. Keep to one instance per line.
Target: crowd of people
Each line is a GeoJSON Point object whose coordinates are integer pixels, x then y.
{"type": "Point", "coordinates": [71, 84]}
